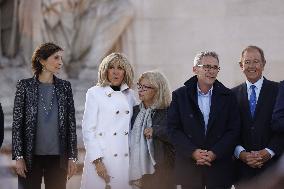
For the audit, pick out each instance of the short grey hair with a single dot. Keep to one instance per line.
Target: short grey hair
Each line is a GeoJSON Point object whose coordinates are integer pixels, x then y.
{"type": "Point", "coordinates": [200, 55]}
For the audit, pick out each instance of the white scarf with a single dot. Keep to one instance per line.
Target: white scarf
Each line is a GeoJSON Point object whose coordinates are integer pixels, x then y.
{"type": "Point", "coordinates": [141, 149]}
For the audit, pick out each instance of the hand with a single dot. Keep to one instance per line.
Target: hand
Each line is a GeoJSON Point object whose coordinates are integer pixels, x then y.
{"type": "Point", "coordinates": [101, 171]}
{"type": "Point", "coordinates": [72, 169]}
{"type": "Point", "coordinates": [252, 159]}
{"type": "Point", "coordinates": [201, 157]}
{"type": "Point", "coordinates": [148, 132]}
{"type": "Point", "coordinates": [21, 168]}
{"type": "Point", "coordinates": [265, 155]}
{"type": "Point", "coordinates": [211, 156]}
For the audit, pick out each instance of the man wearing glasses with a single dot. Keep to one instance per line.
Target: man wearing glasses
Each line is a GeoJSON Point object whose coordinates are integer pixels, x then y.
{"type": "Point", "coordinates": [203, 122]}
{"type": "Point", "coordinates": [258, 146]}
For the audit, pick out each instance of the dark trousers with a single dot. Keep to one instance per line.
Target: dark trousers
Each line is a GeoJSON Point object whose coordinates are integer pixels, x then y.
{"type": "Point", "coordinates": [161, 179]}
{"type": "Point", "coordinates": [48, 167]}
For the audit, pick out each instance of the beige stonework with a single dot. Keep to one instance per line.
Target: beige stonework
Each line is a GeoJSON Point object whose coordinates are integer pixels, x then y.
{"type": "Point", "coordinates": [167, 34]}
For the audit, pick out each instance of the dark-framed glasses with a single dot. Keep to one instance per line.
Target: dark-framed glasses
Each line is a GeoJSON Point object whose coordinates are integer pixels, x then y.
{"type": "Point", "coordinates": [207, 67]}
{"type": "Point", "coordinates": [144, 87]}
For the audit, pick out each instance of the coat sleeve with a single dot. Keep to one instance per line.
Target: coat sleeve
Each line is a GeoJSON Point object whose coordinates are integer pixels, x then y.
{"type": "Point", "coordinates": [18, 120]}
{"type": "Point", "coordinates": [160, 130]}
{"type": "Point", "coordinates": [278, 112]}
{"type": "Point", "coordinates": [89, 128]}
{"type": "Point", "coordinates": [177, 136]}
{"type": "Point", "coordinates": [227, 143]}
{"type": "Point", "coordinates": [1, 125]}
{"type": "Point", "coordinates": [72, 136]}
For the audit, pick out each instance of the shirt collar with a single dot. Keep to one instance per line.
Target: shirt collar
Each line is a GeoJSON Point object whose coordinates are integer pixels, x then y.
{"type": "Point", "coordinates": [257, 84]}
{"type": "Point", "coordinates": [200, 93]}
{"type": "Point", "coordinates": [109, 90]}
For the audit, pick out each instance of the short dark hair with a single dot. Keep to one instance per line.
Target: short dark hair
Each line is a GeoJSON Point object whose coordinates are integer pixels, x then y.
{"type": "Point", "coordinates": [42, 52]}
{"type": "Point", "coordinates": [250, 47]}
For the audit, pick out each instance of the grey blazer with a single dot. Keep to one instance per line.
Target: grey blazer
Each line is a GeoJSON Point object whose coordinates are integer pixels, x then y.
{"type": "Point", "coordinates": [25, 120]}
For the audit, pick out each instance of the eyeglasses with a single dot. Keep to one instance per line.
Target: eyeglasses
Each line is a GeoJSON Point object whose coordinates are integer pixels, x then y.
{"type": "Point", "coordinates": [144, 87]}
{"type": "Point", "coordinates": [252, 62]}
{"type": "Point", "coordinates": [207, 67]}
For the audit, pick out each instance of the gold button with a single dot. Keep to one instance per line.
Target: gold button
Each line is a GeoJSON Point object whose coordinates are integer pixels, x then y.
{"type": "Point", "coordinates": [115, 155]}
{"type": "Point", "coordinates": [125, 133]}
{"type": "Point", "coordinates": [126, 155]}
{"type": "Point", "coordinates": [127, 112]}
{"type": "Point", "coordinates": [100, 134]}
{"type": "Point", "coordinates": [114, 133]}
{"type": "Point", "coordinates": [117, 112]}
{"type": "Point", "coordinates": [109, 95]}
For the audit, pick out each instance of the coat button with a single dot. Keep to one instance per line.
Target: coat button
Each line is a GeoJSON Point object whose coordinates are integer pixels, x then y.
{"type": "Point", "coordinates": [115, 155]}
{"type": "Point", "coordinates": [117, 112]}
{"type": "Point", "coordinates": [114, 133]}
{"type": "Point", "coordinates": [100, 134]}
{"type": "Point", "coordinates": [126, 154]}
{"type": "Point", "coordinates": [127, 112]}
{"type": "Point", "coordinates": [109, 95]}
{"type": "Point", "coordinates": [125, 133]}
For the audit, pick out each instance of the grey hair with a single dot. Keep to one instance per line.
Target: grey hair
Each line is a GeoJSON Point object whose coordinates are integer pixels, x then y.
{"type": "Point", "coordinates": [163, 95]}
{"type": "Point", "coordinates": [200, 55]}
{"type": "Point", "coordinates": [107, 62]}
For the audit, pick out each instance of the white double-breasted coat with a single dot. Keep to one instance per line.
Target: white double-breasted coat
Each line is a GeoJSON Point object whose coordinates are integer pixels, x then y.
{"type": "Point", "coordinates": [105, 128]}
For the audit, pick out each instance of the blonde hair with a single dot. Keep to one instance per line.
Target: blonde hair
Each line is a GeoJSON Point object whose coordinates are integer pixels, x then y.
{"type": "Point", "coordinates": [163, 95]}
{"type": "Point", "coordinates": [123, 63]}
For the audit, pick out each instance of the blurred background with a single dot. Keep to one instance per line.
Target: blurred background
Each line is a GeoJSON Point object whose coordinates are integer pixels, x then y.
{"type": "Point", "coordinates": [154, 34]}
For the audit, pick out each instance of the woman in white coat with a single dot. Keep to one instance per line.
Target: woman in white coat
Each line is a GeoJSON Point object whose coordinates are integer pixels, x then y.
{"type": "Point", "coordinates": [105, 126]}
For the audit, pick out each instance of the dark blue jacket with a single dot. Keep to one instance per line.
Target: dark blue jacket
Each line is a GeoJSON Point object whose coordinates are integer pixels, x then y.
{"type": "Point", "coordinates": [257, 133]}
{"type": "Point", "coordinates": [186, 126]}
{"type": "Point", "coordinates": [1, 126]}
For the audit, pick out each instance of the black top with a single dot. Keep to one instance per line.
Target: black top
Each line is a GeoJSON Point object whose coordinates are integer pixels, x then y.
{"type": "Point", "coordinates": [115, 88]}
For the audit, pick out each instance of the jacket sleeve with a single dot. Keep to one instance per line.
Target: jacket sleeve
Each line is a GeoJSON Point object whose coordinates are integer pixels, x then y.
{"type": "Point", "coordinates": [1, 125]}
{"type": "Point", "coordinates": [227, 143]}
{"type": "Point", "coordinates": [278, 112]}
{"type": "Point", "coordinates": [160, 130]}
{"type": "Point", "coordinates": [18, 120]}
{"type": "Point", "coordinates": [72, 136]}
{"type": "Point", "coordinates": [177, 136]}
{"type": "Point", "coordinates": [89, 128]}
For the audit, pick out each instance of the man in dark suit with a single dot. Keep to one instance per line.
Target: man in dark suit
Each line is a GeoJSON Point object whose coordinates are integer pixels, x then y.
{"type": "Point", "coordinates": [203, 126]}
{"type": "Point", "coordinates": [1, 125]}
{"type": "Point", "coordinates": [258, 146]}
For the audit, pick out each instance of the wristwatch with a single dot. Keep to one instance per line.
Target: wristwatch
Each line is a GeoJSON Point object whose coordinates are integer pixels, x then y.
{"type": "Point", "coordinates": [19, 157]}
{"type": "Point", "coordinates": [75, 160]}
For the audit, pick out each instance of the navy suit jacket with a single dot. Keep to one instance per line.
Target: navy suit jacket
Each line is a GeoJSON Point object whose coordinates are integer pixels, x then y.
{"type": "Point", "coordinates": [278, 113]}
{"type": "Point", "coordinates": [1, 126]}
{"type": "Point", "coordinates": [187, 133]}
{"type": "Point", "coordinates": [278, 116]}
{"type": "Point", "coordinates": [256, 133]}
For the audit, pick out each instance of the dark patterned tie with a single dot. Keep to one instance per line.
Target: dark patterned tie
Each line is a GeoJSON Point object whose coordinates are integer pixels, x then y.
{"type": "Point", "coordinates": [252, 100]}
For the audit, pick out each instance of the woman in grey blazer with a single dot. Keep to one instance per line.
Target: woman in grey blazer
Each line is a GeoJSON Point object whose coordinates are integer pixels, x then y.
{"type": "Point", "coordinates": [44, 142]}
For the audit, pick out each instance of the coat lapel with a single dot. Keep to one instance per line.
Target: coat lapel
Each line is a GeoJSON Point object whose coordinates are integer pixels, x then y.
{"type": "Point", "coordinates": [34, 95]}
{"type": "Point", "coordinates": [216, 105]}
{"type": "Point", "coordinates": [59, 91]}
{"type": "Point", "coordinates": [192, 96]}
{"type": "Point", "coordinates": [264, 92]}
{"type": "Point", "coordinates": [245, 101]}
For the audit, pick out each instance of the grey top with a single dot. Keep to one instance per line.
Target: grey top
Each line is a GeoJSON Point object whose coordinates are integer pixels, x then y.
{"type": "Point", "coordinates": [47, 134]}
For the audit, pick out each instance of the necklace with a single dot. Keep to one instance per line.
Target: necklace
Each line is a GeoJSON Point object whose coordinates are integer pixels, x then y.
{"type": "Point", "coordinates": [46, 108]}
